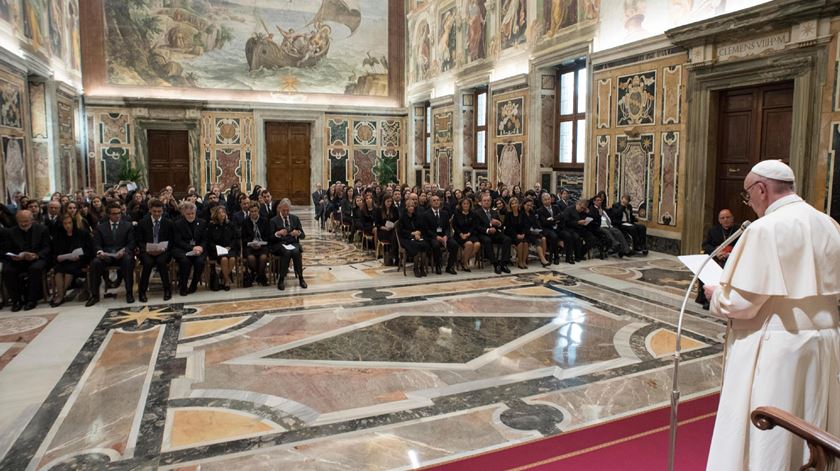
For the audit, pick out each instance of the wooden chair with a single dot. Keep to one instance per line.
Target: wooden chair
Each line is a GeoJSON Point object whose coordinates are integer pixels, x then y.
{"type": "Point", "coordinates": [369, 240]}
{"type": "Point", "coordinates": [381, 245]}
{"type": "Point", "coordinates": [823, 446]}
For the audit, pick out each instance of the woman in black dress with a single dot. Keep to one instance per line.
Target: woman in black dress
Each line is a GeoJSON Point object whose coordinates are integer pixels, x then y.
{"type": "Point", "coordinates": [386, 234]}
{"type": "Point", "coordinates": [254, 236]}
{"type": "Point", "coordinates": [465, 231]}
{"type": "Point", "coordinates": [533, 232]}
{"type": "Point", "coordinates": [222, 233]}
{"type": "Point", "coordinates": [516, 230]}
{"type": "Point", "coordinates": [411, 237]}
{"type": "Point", "coordinates": [65, 241]}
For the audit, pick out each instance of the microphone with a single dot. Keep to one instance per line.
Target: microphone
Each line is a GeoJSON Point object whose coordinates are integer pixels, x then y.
{"type": "Point", "coordinates": [675, 389]}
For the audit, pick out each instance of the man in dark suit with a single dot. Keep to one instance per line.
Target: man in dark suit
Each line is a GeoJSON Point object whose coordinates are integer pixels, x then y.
{"type": "Point", "coordinates": [563, 200]}
{"type": "Point", "coordinates": [113, 243]}
{"type": "Point", "coordinates": [575, 221]}
{"type": "Point", "coordinates": [29, 244]}
{"type": "Point", "coordinates": [254, 231]}
{"type": "Point", "coordinates": [286, 234]}
{"type": "Point", "coordinates": [319, 197]}
{"type": "Point", "coordinates": [714, 237]}
{"type": "Point", "coordinates": [189, 248]}
{"type": "Point", "coordinates": [51, 218]}
{"type": "Point", "coordinates": [154, 229]}
{"type": "Point", "coordinates": [624, 219]}
{"type": "Point", "coordinates": [554, 230]}
{"type": "Point", "coordinates": [267, 208]}
{"type": "Point", "coordinates": [239, 217]}
{"type": "Point", "coordinates": [436, 231]}
{"type": "Point", "coordinates": [490, 232]}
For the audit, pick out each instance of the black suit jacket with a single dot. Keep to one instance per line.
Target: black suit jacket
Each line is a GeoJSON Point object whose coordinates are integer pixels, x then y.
{"type": "Point", "coordinates": [268, 212]}
{"type": "Point", "coordinates": [617, 213]}
{"type": "Point", "coordinates": [484, 221]}
{"type": "Point", "coordinates": [277, 224]}
{"type": "Point", "coordinates": [14, 242]}
{"type": "Point", "coordinates": [550, 220]}
{"type": "Point", "coordinates": [571, 216]}
{"type": "Point", "coordinates": [247, 233]}
{"type": "Point", "coordinates": [186, 233]}
{"type": "Point", "coordinates": [107, 241]}
{"type": "Point", "coordinates": [144, 232]}
{"type": "Point", "coordinates": [317, 196]}
{"type": "Point", "coordinates": [238, 218]}
{"type": "Point", "coordinates": [715, 236]}
{"type": "Point", "coordinates": [431, 224]}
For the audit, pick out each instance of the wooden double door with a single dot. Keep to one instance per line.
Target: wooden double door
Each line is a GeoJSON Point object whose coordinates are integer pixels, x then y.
{"type": "Point", "coordinates": [755, 124]}
{"type": "Point", "coordinates": [169, 160]}
{"type": "Point", "coordinates": [288, 156]}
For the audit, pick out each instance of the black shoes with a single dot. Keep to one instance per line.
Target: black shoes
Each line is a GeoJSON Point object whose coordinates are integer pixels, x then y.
{"type": "Point", "coordinates": [16, 306]}
{"type": "Point", "coordinates": [451, 271]}
{"type": "Point", "coordinates": [281, 285]}
{"type": "Point", "coordinates": [504, 268]}
{"type": "Point", "coordinates": [556, 260]}
{"type": "Point", "coordinates": [182, 292]}
{"type": "Point", "coordinates": [437, 270]}
{"type": "Point", "coordinates": [303, 283]}
{"type": "Point", "coordinates": [142, 297]}
{"type": "Point", "coordinates": [167, 294]}
{"type": "Point", "coordinates": [498, 269]}
{"type": "Point", "coordinates": [570, 260]}
{"type": "Point", "coordinates": [92, 301]}
{"type": "Point", "coordinates": [129, 298]}
{"type": "Point", "coordinates": [30, 305]}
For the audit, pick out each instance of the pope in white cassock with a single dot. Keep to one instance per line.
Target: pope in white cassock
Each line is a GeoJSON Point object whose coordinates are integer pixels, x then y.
{"type": "Point", "coordinates": [779, 291]}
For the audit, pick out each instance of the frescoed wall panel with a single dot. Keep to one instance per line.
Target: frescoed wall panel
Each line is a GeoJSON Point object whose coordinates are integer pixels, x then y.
{"type": "Point", "coordinates": [227, 149]}
{"type": "Point", "coordinates": [15, 173]}
{"type": "Point", "coordinates": [509, 137]}
{"type": "Point", "coordinates": [369, 148]}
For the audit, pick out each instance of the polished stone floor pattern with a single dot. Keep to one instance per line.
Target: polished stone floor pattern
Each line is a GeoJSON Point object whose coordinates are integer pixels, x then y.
{"type": "Point", "coordinates": [367, 369]}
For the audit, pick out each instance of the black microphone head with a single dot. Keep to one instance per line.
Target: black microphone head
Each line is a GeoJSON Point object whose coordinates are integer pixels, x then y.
{"type": "Point", "coordinates": [744, 225]}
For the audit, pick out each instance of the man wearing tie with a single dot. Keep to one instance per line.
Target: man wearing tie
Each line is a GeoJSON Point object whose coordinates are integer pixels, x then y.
{"type": "Point", "coordinates": [286, 233]}
{"type": "Point", "coordinates": [154, 229]}
{"type": "Point", "coordinates": [51, 219]}
{"type": "Point", "coordinates": [238, 218]}
{"type": "Point", "coordinates": [189, 247]}
{"type": "Point", "coordinates": [436, 232]}
{"type": "Point", "coordinates": [29, 246]}
{"type": "Point", "coordinates": [266, 206]}
{"type": "Point", "coordinates": [490, 232]}
{"type": "Point", "coordinates": [113, 243]}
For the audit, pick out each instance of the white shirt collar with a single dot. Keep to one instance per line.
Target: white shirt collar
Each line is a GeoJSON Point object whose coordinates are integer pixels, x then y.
{"type": "Point", "coordinates": [783, 201]}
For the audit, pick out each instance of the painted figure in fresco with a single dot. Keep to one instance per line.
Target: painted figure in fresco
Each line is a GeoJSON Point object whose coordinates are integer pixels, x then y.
{"type": "Point", "coordinates": [563, 13]}
{"type": "Point", "coordinates": [634, 17]}
{"type": "Point", "coordinates": [509, 168]}
{"type": "Point", "coordinates": [510, 121]}
{"type": "Point", "coordinates": [424, 57]}
{"type": "Point", "coordinates": [476, 18]}
{"type": "Point", "coordinates": [74, 56]}
{"type": "Point", "coordinates": [446, 43]}
{"type": "Point", "coordinates": [56, 30]}
{"type": "Point", "coordinates": [33, 12]}
{"type": "Point", "coordinates": [514, 22]}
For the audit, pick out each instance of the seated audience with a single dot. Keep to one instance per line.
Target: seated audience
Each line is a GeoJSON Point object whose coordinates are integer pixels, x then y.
{"type": "Point", "coordinates": [490, 231]}
{"type": "Point", "coordinates": [189, 247]}
{"type": "Point", "coordinates": [623, 218]}
{"type": "Point", "coordinates": [437, 233]}
{"type": "Point", "coordinates": [155, 229]}
{"type": "Point", "coordinates": [465, 232]}
{"type": "Point", "coordinates": [714, 237]}
{"type": "Point", "coordinates": [255, 235]}
{"type": "Point", "coordinates": [411, 238]}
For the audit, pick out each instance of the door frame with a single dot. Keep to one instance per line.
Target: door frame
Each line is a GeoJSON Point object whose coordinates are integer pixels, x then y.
{"type": "Point", "coordinates": [805, 67]}
{"type": "Point", "coordinates": [193, 140]}
{"type": "Point", "coordinates": [316, 142]}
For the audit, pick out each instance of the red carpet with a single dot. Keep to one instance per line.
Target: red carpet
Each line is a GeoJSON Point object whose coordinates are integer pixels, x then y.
{"type": "Point", "coordinates": [638, 442]}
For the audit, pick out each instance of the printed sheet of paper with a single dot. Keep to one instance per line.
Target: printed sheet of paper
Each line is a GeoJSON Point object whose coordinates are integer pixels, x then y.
{"type": "Point", "coordinates": [711, 273]}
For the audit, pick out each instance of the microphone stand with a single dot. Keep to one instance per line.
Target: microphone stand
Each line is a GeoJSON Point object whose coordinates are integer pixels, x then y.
{"type": "Point", "coordinates": [675, 389]}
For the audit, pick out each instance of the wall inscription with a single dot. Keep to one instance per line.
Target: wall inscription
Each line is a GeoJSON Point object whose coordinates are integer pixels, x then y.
{"type": "Point", "coordinates": [753, 47]}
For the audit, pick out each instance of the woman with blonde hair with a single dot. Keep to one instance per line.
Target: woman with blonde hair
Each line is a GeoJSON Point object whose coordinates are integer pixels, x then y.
{"type": "Point", "coordinates": [221, 233]}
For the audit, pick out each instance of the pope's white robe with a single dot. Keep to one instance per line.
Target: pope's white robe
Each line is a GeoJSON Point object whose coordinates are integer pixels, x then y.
{"type": "Point", "coordinates": [780, 291]}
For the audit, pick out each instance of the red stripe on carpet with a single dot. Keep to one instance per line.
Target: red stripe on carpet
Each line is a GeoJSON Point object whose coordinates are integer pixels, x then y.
{"type": "Point", "coordinates": [636, 442]}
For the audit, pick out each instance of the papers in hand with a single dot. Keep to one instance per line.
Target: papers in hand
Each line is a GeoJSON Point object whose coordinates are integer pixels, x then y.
{"type": "Point", "coordinates": [288, 246]}
{"type": "Point", "coordinates": [159, 247]}
{"type": "Point", "coordinates": [221, 250]}
{"type": "Point", "coordinates": [12, 255]}
{"type": "Point", "coordinates": [389, 225]}
{"type": "Point", "coordinates": [588, 220]}
{"type": "Point", "coordinates": [75, 254]}
{"type": "Point", "coordinates": [255, 244]}
{"type": "Point", "coordinates": [711, 273]}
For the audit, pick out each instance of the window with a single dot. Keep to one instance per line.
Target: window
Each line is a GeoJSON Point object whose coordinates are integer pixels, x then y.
{"type": "Point", "coordinates": [481, 128]}
{"type": "Point", "coordinates": [571, 115]}
{"type": "Point", "coordinates": [428, 134]}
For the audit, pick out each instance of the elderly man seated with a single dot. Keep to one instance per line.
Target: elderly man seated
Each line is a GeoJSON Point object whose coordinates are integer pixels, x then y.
{"type": "Point", "coordinates": [286, 234]}
{"type": "Point", "coordinates": [714, 237]}
{"type": "Point", "coordinates": [25, 250]}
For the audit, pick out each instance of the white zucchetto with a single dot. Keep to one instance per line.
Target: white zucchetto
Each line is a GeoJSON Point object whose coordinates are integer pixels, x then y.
{"type": "Point", "coordinates": [774, 170]}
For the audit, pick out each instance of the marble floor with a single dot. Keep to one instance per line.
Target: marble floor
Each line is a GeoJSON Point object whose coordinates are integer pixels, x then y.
{"type": "Point", "coordinates": [366, 369]}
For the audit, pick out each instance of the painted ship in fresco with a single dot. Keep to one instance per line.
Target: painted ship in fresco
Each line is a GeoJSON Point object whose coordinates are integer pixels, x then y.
{"type": "Point", "coordinates": [305, 48]}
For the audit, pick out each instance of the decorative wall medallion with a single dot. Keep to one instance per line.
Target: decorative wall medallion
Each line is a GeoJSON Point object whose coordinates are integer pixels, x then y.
{"type": "Point", "coordinates": [365, 133]}
{"type": "Point", "coordinates": [635, 159]}
{"type": "Point", "coordinates": [668, 174]}
{"type": "Point", "coordinates": [510, 117]}
{"type": "Point", "coordinates": [227, 131]}
{"type": "Point", "coordinates": [636, 99]}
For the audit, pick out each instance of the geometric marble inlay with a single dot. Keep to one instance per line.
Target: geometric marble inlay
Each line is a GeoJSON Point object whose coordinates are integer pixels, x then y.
{"type": "Point", "coordinates": [419, 339]}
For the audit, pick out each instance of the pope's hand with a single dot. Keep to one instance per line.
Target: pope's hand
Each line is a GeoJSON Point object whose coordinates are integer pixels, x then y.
{"type": "Point", "coordinates": [709, 291]}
